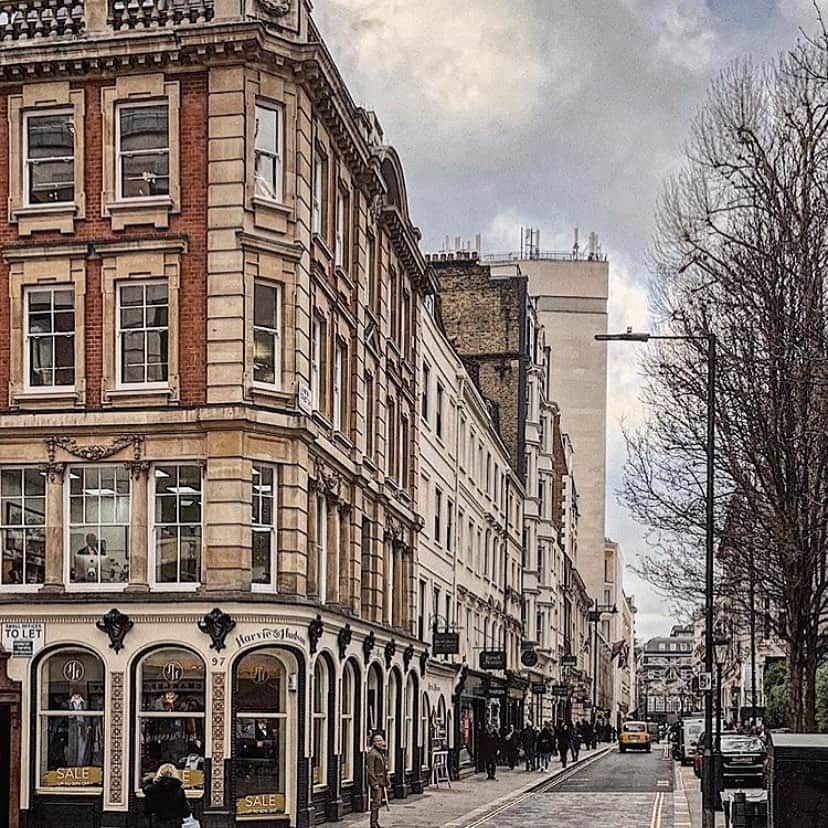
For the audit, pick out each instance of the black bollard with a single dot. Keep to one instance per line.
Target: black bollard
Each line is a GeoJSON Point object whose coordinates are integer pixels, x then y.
{"type": "Point", "coordinates": [738, 810]}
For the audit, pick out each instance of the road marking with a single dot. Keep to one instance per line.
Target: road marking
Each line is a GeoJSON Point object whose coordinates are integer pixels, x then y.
{"type": "Point", "coordinates": [663, 782]}
{"type": "Point", "coordinates": [655, 819]}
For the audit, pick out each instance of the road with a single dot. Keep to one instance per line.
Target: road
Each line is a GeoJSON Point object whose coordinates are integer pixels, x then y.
{"type": "Point", "coordinates": [633, 790]}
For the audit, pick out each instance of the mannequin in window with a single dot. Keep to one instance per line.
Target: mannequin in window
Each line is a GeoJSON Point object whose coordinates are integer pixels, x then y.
{"type": "Point", "coordinates": [193, 760]}
{"type": "Point", "coordinates": [80, 737]}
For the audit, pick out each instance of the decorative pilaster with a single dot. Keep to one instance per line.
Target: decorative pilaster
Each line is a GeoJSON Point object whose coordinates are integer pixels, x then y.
{"type": "Point", "coordinates": [344, 520]}
{"type": "Point", "coordinates": [138, 526]}
{"type": "Point", "coordinates": [332, 571]}
{"type": "Point", "coordinates": [54, 577]}
{"type": "Point", "coordinates": [116, 745]}
{"type": "Point", "coordinates": [217, 758]}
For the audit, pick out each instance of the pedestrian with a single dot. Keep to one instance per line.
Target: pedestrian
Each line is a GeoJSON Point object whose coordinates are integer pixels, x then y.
{"type": "Point", "coordinates": [489, 750]}
{"type": "Point", "coordinates": [377, 770]}
{"type": "Point", "coordinates": [165, 802]}
{"type": "Point", "coordinates": [510, 746]}
{"type": "Point", "coordinates": [563, 737]}
{"type": "Point", "coordinates": [575, 743]}
{"type": "Point", "coordinates": [589, 734]}
{"type": "Point", "coordinates": [530, 746]}
{"type": "Point", "coordinates": [546, 742]}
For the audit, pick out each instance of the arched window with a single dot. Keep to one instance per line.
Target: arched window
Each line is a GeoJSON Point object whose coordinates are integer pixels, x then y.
{"type": "Point", "coordinates": [410, 723]}
{"type": "Point", "coordinates": [425, 731]}
{"type": "Point", "coordinates": [348, 704]}
{"type": "Point", "coordinates": [391, 719]}
{"type": "Point", "coordinates": [260, 762]}
{"type": "Point", "coordinates": [321, 687]}
{"type": "Point", "coordinates": [70, 711]}
{"type": "Point", "coordinates": [170, 715]}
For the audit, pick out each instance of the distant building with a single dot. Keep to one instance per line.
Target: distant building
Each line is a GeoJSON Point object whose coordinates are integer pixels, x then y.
{"type": "Point", "coordinates": [665, 686]}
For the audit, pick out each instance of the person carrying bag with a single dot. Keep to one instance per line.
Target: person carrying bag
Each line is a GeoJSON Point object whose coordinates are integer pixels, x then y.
{"type": "Point", "coordinates": [165, 802]}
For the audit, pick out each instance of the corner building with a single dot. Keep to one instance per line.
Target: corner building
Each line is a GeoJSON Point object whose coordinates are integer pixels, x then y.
{"type": "Point", "coordinates": [211, 290]}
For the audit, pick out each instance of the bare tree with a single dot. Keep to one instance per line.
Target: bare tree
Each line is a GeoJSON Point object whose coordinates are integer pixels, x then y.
{"type": "Point", "coordinates": [742, 251]}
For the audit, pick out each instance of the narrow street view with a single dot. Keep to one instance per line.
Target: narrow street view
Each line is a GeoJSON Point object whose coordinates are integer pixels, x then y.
{"type": "Point", "coordinates": [413, 414]}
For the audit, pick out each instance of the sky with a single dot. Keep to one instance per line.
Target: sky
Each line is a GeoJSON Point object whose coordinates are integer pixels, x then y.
{"type": "Point", "coordinates": [553, 114]}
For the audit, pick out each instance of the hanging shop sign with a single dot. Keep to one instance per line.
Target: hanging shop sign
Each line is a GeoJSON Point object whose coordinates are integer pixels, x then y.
{"type": "Point", "coordinates": [493, 660]}
{"type": "Point", "coordinates": [569, 661]}
{"type": "Point", "coordinates": [261, 803]}
{"type": "Point", "coordinates": [560, 690]}
{"type": "Point", "coordinates": [22, 640]}
{"type": "Point", "coordinates": [445, 643]}
{"type": "Point", "coordinates": [72, 777]}
{"type": "Point", "coordinates": [529, 658]}
{"type": "Point", "coordinates": [538, 687]}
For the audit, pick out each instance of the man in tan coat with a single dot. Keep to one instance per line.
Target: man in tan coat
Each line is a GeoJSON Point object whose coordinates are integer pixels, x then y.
{"type": "Point", "coordinates": [377, 776]}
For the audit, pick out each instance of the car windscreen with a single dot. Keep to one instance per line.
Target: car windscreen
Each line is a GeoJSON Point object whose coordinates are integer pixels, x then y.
{"type": "Point", "coordinates": [742, 744]}
{"type": "Point", "coordinates": [634, 727]}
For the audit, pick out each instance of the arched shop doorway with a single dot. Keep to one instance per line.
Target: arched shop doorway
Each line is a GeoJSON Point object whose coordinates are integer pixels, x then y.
{"type": "Point", "coordinates": [350, 735]}
{"type": "Point", "coordinates": [375, 704]}
{"type": "Point", "coordinates": [267, 698]}
{"type": "Point", "coordinates": [68, 737]}
{"type": "Point", "coordinates": [169, 713]}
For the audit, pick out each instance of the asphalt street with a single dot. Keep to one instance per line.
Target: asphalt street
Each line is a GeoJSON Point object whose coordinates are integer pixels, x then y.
{"type": "Point", "coordinates": [631, 790]}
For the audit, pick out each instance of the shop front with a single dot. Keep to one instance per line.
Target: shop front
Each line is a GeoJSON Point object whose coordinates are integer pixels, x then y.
{"type": "Point", "coordinates": [264, 718]}
{"type": "Point", "coordinates": [481, 704]}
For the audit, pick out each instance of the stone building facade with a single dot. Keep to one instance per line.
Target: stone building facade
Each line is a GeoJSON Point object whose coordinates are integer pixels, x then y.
{"type": "Point", "coordinates": [208, 382]}
{"type": "Point", "coordinates": [469, 556]}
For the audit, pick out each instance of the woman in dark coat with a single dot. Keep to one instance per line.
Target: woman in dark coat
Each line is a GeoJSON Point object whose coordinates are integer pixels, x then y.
{"type": "Point", "coordinates": [166, 803]}
{"type": "Point", "coordinates": [563, 737]}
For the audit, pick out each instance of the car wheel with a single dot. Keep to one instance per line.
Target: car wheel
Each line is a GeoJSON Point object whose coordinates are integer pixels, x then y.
{"type": "Point", "coordinates": [649, 748]}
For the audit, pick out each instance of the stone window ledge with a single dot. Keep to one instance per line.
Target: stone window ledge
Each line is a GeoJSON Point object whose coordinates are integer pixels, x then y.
{"type": "Point", "coordinates": [60, 217]}
{"type": "Point", "coordinates": [264, 395]}
{"type": "Point", "coordinates": [139, 397]}
{"type": "Point", "coordinates": [48, 399]}
{"type": "Point", "coordinates": [156, 212]}
{"type": "Point", "coordinates": [262, 203]}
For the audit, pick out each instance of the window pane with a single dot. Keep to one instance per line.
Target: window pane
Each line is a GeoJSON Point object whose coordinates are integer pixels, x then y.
{"type": "Point", "coordinates": [72, 751]}
{"type": "Point", "coordinates": [172, 680]}
{"type": "Point", "coordinates": [261, 684]}
{"type": "Point", "coordinates": [144, 127]}
{"type": "Point", "coordinates": [51, 182]}
{"type": "Point", "coordinates": [72, 680]}
{"type": "Point", "coordinates": [260, 766]}
{"type": "Point", "coordinates": [132, 295]}
{"type": "Point", "coordinates": [190, 554]}
{"type": "Point", "coordinates": [264, 357]}
{"type": "Point", "coordinates": [267, 129]}
{"type": "Point", "coordinates": [50, 135]}
{"type": "Point", "coordinates": [261, 556]}
{"type": "Point", "coordinates": [265, 304]}
{"type": "Point", "coordinates": [265, 176]}
{"type": "Point", "coordinates": [177, 740]}
{"type": "Point", "coordinates": [145, 174]}
{"type": "Point", "coordinates": [166, 555]}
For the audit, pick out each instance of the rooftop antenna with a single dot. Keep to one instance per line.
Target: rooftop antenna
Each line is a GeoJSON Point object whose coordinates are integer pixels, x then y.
{"type": "Point", "coordinates": [575, 247]}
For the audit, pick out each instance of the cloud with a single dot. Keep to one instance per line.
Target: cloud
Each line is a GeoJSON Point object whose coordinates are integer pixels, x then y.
{"type": "Point", "coordinates": [552, 115]}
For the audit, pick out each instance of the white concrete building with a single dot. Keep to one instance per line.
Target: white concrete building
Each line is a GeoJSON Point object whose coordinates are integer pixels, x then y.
{"type": "Point", "coordinates": [469, 555]}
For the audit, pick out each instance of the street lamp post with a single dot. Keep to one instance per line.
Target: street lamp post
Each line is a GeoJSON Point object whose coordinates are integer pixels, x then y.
{"type": "Point", "coordinates": [594, 617]}
{"type": "Point", "coordinates": [708, 779]}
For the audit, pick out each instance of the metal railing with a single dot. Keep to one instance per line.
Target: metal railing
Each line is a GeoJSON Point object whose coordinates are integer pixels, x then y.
{"type": "Point", "coordinates": [546, 255]}
{"type": "Point", "coordinates": [38, 19]}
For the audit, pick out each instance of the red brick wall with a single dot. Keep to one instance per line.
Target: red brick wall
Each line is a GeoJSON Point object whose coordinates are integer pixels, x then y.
{"type": "Point", "coordinates": [191, 222]}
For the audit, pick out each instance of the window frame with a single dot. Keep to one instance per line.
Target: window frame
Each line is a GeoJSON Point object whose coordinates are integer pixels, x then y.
{"type": "Point", "coordinates": [35, 585]}
{"type": "Point", "coordinates": [320, 194]}
{"type": "Point", "coordinates": [91, 586]}
{"type": "Point", "coordinates": [339, 403]}
{"type": "Point", "coordinates": [321, 719]}
{"type": "Point", "coordinates": [120, 385]}
{"type": "Point", "coordinates": [41, 714]}
{"type": "Point", "coordinates": [144, 103]}
{"type": "Point", "coordinates": [28, 290]}
{"type": "Point", "coordinates": [347, 733]}
{"type": "Point", "coordinates": [276, 333]}
{"type": "Point", "coordinates": [69, 111]}
{"type": "Point", "coordinates": [278, 156]}
{"type": "Point", "coordinates": [272, 529]}
{"type": "Point", "coordinates": [178, 585]}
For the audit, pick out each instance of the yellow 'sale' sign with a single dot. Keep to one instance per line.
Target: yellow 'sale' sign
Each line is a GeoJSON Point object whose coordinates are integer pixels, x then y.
{"type": "Point", "coordinates": [72, 777]}
{"type": "Point", "coordinates": [263, 803]}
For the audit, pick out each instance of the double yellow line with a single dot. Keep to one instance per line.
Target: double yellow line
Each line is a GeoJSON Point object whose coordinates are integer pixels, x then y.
{"type": "Point", "coordinates": [658, 806]}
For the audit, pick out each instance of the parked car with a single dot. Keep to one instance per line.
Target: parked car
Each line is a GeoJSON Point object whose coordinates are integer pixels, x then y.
{"type": "Point", "coordinates": [691, 728]}
{"type": "Point", "coordinates": [634, 736]}
{"type": "Point", "coordinates": [743, 760]}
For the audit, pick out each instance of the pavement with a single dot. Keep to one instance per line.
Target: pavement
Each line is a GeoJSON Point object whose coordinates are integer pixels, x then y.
{"type": "Point", "coordinates": [688, 800]}
{"type": "Point", "coordinates": [471, 799]}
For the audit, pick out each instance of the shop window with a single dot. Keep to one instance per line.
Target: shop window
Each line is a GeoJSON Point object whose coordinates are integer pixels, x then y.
{"type": "Point", "coordinates": [143, 333]}
{"type": "Point", "coordinates": [425, 735]}
{"type": "Point", "coordinates": [321, 686]}
{"type": "Point", "coordinates": [70, 745]}
{"type": "Point", "coordinates": [143, 150]}
{"type": "Point", "coordinates": [264, 526]}
{"type": "Point", "coordinates": [177, 524]}
{"type": "Point", "coordinates": [260, 752]}
{"type": "Point", "coordinates": [267, 348]}
{"type": "Point", "coordinates": [99, 498]}
{"type": "Point", "coordinates": [346, 729]}
{"type": "Point", "coordinates": [391, 719]}
{"type": "Point", "coordinates": [50, 338]}
{"type": "Point", "coordinates": [268, 152]}
{"type": "Point", "coordinates": [374, 700]}
{"type": "Point", "coordinates": [23, 526]}
{"type": "Point", "coordinates": [410, 723]}
{"type": "Point", "coordinates": [170, 726]}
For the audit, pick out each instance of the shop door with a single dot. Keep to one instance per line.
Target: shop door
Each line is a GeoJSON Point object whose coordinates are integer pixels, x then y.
{"type": "Point", "coordinates": [5, 769]}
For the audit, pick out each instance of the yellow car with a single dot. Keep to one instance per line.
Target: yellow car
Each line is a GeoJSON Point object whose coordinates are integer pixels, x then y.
{"type": "Point", "coordinates": [634, 736]}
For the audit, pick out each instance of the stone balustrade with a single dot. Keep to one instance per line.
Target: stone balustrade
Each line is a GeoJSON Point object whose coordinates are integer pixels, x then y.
{"type": "Point", "coordinates": [36, 19]}
{"type": "Point", "coordinates": [155, 14]}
